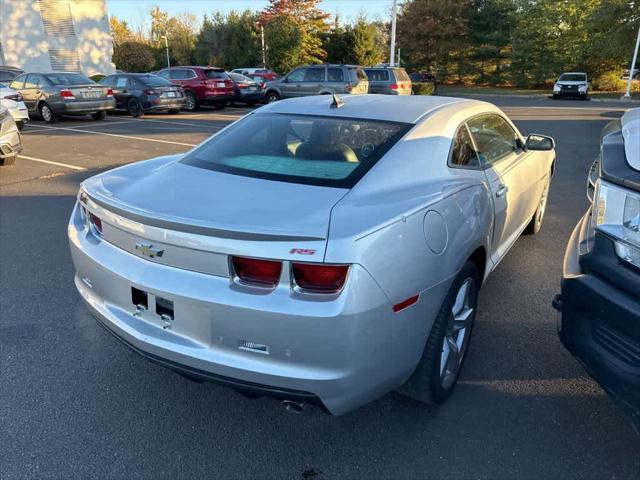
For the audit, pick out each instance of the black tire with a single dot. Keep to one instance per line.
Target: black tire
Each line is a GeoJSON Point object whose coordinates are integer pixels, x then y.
{"type": "Point", "coordinates": [99, 115]}
{"type": "Point", "coordinates": [47, 114]}
{"type": "Point", "coordinates": [191, 103]}
{"type": "Point", "coordinates": [134, 107]}
{"type": "Point", "coordinates": [426, 382]}
{"type": "Point", "coordinates": [535, 225]}
{"type": "Point", "coordinates": [555, 96]}
{"type": "Point", "coordinates": [220, 105]}
{"type": "Point", "coordinates": [174, 111]}
{"type": "Point", "coordinates": [271, 97]}
{"type": "Point", "coordinates": [8, 160]}
{"type": "Point", "coordinates": [251, 103]}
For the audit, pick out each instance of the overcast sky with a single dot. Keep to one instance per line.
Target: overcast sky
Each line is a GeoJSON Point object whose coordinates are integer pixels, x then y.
{"type": "Point", "coordinates": [136, 12]}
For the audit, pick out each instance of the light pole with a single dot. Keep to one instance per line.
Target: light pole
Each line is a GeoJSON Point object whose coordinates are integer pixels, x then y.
{"type": "Point", "coordinates": [393, 34]}
{"type": "Point", "coordinates": [166, 47]}
{"type": "Point", "coordinates": [633, 67]}
{"type": "Point", "coordinates": [264, 57]}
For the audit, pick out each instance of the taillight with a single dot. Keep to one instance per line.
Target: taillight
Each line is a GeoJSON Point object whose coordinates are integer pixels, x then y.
{"type": "Point", "coordinates": [67, 94]}
{"type": "Point", "coordinates": [265, 273]}
{"type": "Point", "coordinates": [393, 86]}
{"type": "Point", "coordinates": [320, 278]}
{"type": "Point", "coordinates": [96, 222]}
{"type": "Point", "coordinates": [109, 92]}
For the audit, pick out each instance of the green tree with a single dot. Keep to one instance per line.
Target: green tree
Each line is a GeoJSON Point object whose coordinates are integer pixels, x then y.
{"type": "Point", "coordinates": [433, 33]}
{"type": "Point", "coordinates": [311, 22]}
{"type": "Point", "coordinates": [180, 32]}
{"type": "Point", "coordinates": [284, 44]}
{"type": "Point", "coordinates": [209, 47]}
{"type": "Point", "coordinates": [133, 57]}
{"type": "Point", "coordinates": [366, 47]}
{"type": "Point", "coordinates": [120, 31]}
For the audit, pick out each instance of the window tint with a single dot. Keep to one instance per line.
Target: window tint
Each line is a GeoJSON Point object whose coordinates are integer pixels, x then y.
{"type": "Point", "coordinates": [463, 152]}
{"type": "Point", "coordinates": [236, 77]}
{"type": "Point", "coordinates": [107, 81]}
{"type": "Point", "coordinates": [32, 81]}
{"type": "Point", "coordinates": [7, 75]}
{"type": "Point", "coordinates": [316, 150]}
{"type": "Point", "coordinates": [493, 136]}
{"type": "Point", "coordinates": [122, 82]}
{"type": "Point", "coordinates": [296, 75]}
{"type": "Point", "coordinates": [68, 79]}
{"type": "Point", "coordinates": [377, 75]}
{"type": "Point", "coordinates": [314, 75]}
{"type": "Point", "coordinates": [216, 74]}
{"type": "Point", "coordinates": [163, 74]}
{"type": "Point", "coordinates": [153, 81]}
{"type": "Point", "coordinates": [182, 74]}
{"type": "Point", "coordinates": [335, 74]}
{"type": "Point", "coordinates": [18, 82]}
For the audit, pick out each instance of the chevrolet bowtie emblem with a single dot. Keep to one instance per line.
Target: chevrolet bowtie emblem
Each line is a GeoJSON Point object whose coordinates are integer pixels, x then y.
{"type": "Point", "coordinates": [147, 250]}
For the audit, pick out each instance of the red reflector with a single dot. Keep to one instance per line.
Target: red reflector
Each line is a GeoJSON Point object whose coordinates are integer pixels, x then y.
{"type": "Point", "coordinates": [66, 94]}
{"type": "Point", "coordinates": [259, 272]}
{"type": "Point", "coordinates": [393, 86]}
{"type": "Point", "coordinates": [405, 303]}
{"type": "Point", "coordinates": [320, 278]}
{"type": "Point", "coordinates": [96, 222]}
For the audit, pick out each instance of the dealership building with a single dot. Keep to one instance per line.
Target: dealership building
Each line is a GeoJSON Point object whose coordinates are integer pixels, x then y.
{"type": "Point", "coordinates": [56, 35]}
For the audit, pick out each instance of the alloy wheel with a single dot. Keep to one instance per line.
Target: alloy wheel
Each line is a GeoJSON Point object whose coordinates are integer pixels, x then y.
{"type": "Point", "coordinates": [457, 334]}
{"type": "Point", "coordinates": [46, 113]}
{"type": "Point", "coordinates": [190, 102]}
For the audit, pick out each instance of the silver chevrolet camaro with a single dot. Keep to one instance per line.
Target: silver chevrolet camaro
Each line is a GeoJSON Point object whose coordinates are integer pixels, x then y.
{"type": "Point", "coordinates": [322, 249]}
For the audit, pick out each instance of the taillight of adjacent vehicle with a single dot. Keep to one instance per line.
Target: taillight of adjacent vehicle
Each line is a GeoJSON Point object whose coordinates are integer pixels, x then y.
{"type": "Point", "coordinates": [319, 278]}
{"type": "Point", "coordinates": [109, 92]}
{"type": "Point", "coordinates": [96, 222]}
{"type": "Point", "coordinates": [254, 271]}
{"type": "Point", "coordinates": [394, 86]}
{"type": "Point", "coordinates": [67, 94]}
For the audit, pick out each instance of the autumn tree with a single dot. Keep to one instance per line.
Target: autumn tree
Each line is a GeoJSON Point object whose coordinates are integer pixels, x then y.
{"type": "Point", "coordinates": [310, 20]}
{"type": "Point", "coordinates": [180, 31]}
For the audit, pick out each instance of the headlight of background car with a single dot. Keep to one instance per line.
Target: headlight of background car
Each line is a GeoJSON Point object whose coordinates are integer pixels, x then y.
{"type": "Point", "coordinates": [616, 212]}
{"type": "Point", "coordinates": [556, 88]}
{"type": "Point", "coordinates": [582, 88]}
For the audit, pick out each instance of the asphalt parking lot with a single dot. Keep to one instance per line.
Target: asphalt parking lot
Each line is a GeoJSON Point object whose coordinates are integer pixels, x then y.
{"type": "Point", "coordinates": [75, 403]}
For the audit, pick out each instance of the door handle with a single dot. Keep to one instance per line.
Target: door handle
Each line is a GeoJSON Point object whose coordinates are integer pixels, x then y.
{"type": "Point", "coordinates": [502, 190]}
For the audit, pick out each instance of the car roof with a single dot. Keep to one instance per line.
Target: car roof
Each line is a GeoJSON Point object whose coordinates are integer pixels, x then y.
{"type": "Point", "coordinates": [393, 108]}
{"type": "Point", "coordinates": [200, 67]}
{"type": "Point", "coordinates": [573, 73]}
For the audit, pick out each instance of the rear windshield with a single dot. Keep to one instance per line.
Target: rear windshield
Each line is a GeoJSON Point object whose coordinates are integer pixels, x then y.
{"type": "Point", "coordinates": [237, 77]}
{"type": "Point", "coordinates": [216, 74]}
{"type": "Point", "coordinates": [68, 79]}
{"type": "Point", "coordinates": [357, 74]}
{"type": "Point", "coordinates": [573, 77]}
{"type": "Point", "coordinates": [401, 75]}
{"type": "Point", "coordinates": [154, 81]}
{"type": "Point", "coordinates": [377, 74]}
{"type": "Point", "coordinates": [314, 150]}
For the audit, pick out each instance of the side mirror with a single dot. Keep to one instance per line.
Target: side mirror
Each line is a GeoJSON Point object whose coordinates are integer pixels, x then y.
{"type": "Point", "coordinates": [539, 142]}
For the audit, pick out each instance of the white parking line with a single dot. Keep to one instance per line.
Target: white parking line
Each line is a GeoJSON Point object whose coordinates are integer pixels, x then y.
{"type": "Point", "coordinates": [104, 124]}
{"type": "Point", "coordinates": [76, 129]}
{"type": "Point", "coordinates": [65, 165]}
{"type": "Point", "coordinates": [171, 122]}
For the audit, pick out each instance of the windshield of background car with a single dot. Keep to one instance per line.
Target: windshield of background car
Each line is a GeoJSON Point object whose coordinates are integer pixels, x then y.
{"type": "Point", "coordinates": [313, 150]}
{"type": "Point", "coordinates": [573, 77]}
{"type": "Point", "coordinates": [216, 74]}
{"type": "Point", "coordinates": [68, 79]}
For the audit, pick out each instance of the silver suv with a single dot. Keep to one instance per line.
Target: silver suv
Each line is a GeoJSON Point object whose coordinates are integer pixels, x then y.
{"type": "Point", "coordinates": [388, 80]}
{"type": "Point", "coordinates": [318, 80]}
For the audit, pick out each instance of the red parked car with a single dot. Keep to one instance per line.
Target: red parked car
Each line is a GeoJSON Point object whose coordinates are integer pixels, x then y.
{"type": "Point", "coordinates": [201, 85]}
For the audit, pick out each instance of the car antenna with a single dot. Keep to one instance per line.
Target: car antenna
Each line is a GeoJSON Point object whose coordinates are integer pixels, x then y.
{"type": "Point", "coordinates": [337, 102]}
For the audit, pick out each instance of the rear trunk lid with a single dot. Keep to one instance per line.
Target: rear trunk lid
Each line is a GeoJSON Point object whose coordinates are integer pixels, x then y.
{"type": "Point", "coordinates": [200, 210]}
{"type": "Point", "coordinates": [89, 92]}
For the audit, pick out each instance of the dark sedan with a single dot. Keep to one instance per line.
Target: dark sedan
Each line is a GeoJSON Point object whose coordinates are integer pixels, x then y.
{"type": "Point", "coordinates": [52, 95]}
{"type": "Point", "coordinates": [138, 93]}
{"type": "Point", "coordinates": [246, 90]}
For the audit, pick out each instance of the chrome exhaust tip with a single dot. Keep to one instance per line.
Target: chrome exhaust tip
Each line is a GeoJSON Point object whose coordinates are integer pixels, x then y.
{"type": "Point", "coordinates": [293, 406]}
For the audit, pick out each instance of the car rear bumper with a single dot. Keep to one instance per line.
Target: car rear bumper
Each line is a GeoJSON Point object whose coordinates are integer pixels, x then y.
{"type": "Point", "coordinates": [592, 311]}
{"type": "Point", "coordinates": [84, 107]}
{"type": "Point", "coordinates": [165, 104]}
{"type": "Point", "coordinates": [343, 352]}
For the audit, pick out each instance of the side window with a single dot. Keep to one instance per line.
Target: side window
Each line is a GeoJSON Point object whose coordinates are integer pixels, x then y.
{"type": "Point", "coordinates": [32, 81]}
{"type": "Point", "coordinates": [107, 81]}
{"type": "Point", "coordinates": [122, 82]}
{"type": "Point", "coordinates": [335, 74]}
{"type": "Point", "coordinates": [463, 153]}
{"type": "Point", "coordinates": [182, 74]}
{"type": "Point", "coordinates": [296, 75]}
{"type": "Point", "coordinates": [493, 136]}
{"type": "Point", "coordinates": [314, 75]}
{"type": "Point", "coordinates": [18, 82]}
{"type": "Point", "coordinates": [164, 74]}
